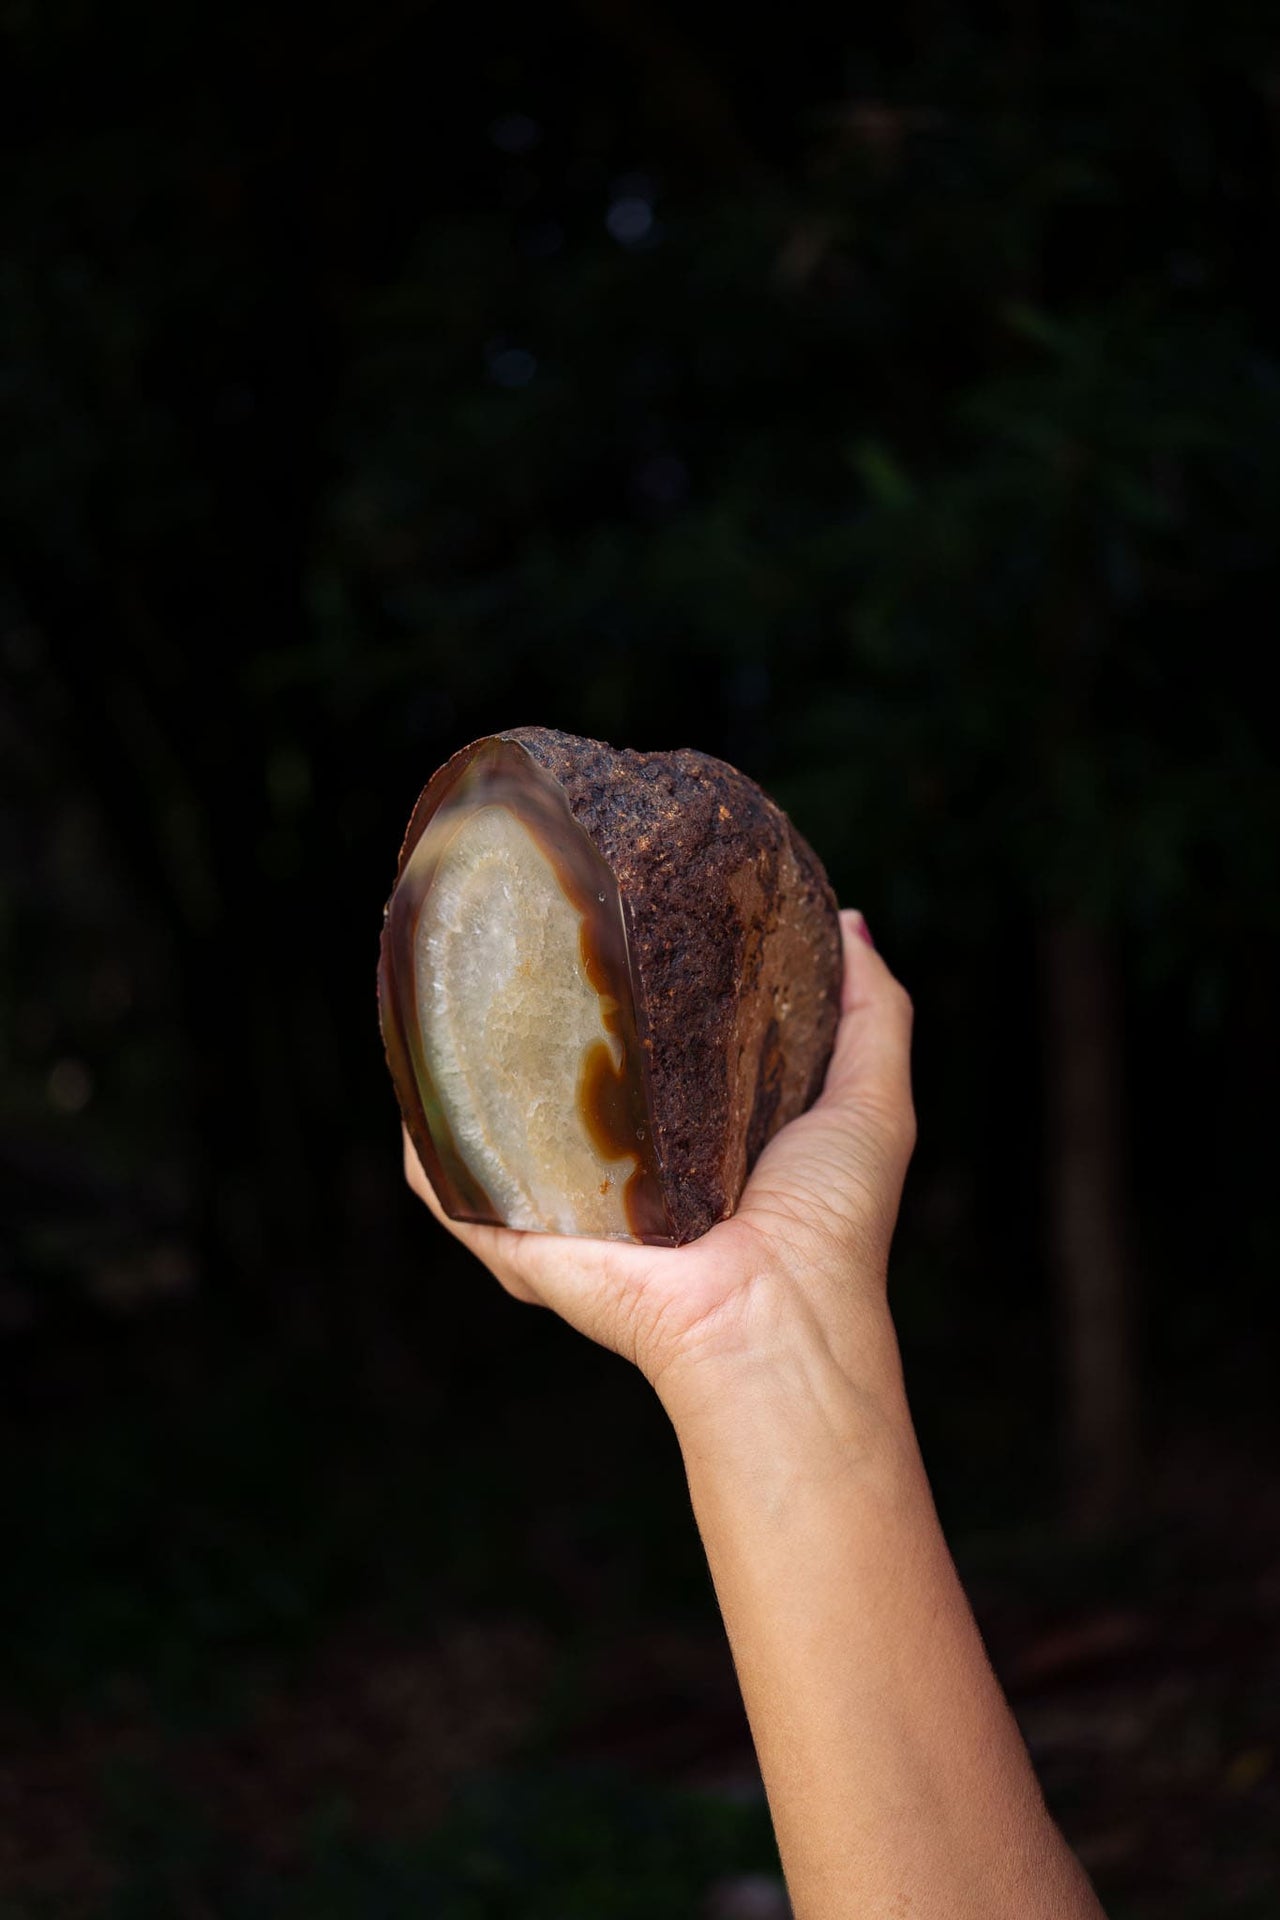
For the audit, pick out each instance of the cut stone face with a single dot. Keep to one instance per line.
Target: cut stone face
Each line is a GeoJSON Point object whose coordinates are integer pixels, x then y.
{"type": "Point", "coordinates": [606, 979]}
{"type": "Point", "coordinates": [510, 1020]}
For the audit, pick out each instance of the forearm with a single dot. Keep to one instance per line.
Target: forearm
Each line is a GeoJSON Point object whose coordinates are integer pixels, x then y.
{"type": "Point", "coordinates": [897, 1779]}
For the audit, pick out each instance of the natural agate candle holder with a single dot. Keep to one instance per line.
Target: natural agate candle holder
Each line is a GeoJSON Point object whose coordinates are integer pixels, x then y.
{"type": "Point", "coordinates": [607, 978]}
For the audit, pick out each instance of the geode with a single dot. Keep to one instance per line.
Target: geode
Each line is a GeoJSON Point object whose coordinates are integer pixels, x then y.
{"type": "Point", "coordinates": [607, 978]}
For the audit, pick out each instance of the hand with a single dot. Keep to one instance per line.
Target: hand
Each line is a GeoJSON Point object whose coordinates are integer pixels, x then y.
{"type": "Point", "coordinates": [895, 1773]}
{"type": "Point", "coordinates": [806, 1252]}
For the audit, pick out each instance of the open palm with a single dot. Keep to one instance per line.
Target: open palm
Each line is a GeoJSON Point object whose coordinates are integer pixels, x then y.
{"type": "Point", "coordinates": [810, 1237]}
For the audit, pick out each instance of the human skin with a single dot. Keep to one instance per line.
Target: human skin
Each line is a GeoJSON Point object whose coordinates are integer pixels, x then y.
{"type": "Point", "coordinates": [897, 1780]}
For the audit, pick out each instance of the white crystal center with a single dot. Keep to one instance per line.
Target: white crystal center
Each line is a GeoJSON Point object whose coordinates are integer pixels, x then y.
{"type": "Point", "coordinates": [508, 1018]}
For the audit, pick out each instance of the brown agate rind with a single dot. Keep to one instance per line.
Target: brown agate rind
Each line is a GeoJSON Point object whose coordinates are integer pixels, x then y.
{"type": "Point", "coordinates": [708, 930]}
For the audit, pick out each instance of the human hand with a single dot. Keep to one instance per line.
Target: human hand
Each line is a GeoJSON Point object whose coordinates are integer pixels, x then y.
{"type": "Point", "coordinates": [804, 1257]}
{"type": "Point", "coordinates": [895, 1773]}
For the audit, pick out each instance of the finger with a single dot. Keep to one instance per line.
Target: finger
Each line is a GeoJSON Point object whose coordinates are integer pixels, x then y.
{"type": "Point", "coordinates": [498, 1248]}
{"type": "Point", "coordinates": [593, 1284]}
{"type": "Point", "coordinates": [870, 1071]}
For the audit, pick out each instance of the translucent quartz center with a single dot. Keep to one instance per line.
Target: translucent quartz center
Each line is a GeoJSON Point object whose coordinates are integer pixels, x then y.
{"type": "Point", "coordinates": [508, 1018]}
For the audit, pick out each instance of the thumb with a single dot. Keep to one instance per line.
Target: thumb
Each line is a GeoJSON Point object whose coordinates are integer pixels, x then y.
{"type": "Point", "coordinates": [868, 1082]}
{"type": "Point", "coordinates": [844, 1161]}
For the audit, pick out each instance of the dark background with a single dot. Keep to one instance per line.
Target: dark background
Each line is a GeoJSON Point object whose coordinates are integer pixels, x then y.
{"type": "Point", "coordinates": [887, 401]}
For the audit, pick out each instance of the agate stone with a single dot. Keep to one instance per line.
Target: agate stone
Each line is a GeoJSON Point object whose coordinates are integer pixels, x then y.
{"type": "Point", "coordinates": [606, 979]}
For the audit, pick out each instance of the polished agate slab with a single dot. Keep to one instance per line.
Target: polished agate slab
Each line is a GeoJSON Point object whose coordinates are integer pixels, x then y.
{"type": "Point", "coordinates": [606, 979]}
{"type": "Point", "coordinates": [510, 1022]}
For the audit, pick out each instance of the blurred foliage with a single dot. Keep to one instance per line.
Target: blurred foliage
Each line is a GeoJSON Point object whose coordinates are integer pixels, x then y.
{"type": "Point", "coordinates": [547, 1848]}
{"type": "Point", "coordinates": [237, 1506]}
{"type": "Point", "coordinates": [904, 429]}
{"type": "Point", "coordinates": [551, 1847]}
{"type": "Point", "coordinates": [890, 406]}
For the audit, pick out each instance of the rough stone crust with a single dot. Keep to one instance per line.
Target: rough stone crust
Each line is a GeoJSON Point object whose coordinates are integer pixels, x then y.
{"type": "Point", "coordinates": [735, 945]}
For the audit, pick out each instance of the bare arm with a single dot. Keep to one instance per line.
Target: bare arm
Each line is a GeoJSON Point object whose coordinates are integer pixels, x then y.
{"type": "Point", "coordinates": [897, 1780]}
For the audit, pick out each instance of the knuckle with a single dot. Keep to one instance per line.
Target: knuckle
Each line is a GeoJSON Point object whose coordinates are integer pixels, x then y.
{"type": "Point", "coordinates": [502, 1250]}
{"type": "Point", "coordinates": [522, 1259]}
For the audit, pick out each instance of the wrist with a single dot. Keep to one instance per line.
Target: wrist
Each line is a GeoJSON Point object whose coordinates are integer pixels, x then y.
{"type": "Point", "coordinates": [791, 1404]}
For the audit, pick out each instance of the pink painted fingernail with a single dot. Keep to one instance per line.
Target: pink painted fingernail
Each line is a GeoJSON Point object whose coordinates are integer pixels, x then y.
{"type": "Point", "coordinates": [862, 929]}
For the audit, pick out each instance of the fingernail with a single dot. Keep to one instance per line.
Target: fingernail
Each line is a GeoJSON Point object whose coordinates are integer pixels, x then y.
{"type": "Point", "coordinates": [861, 928]}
